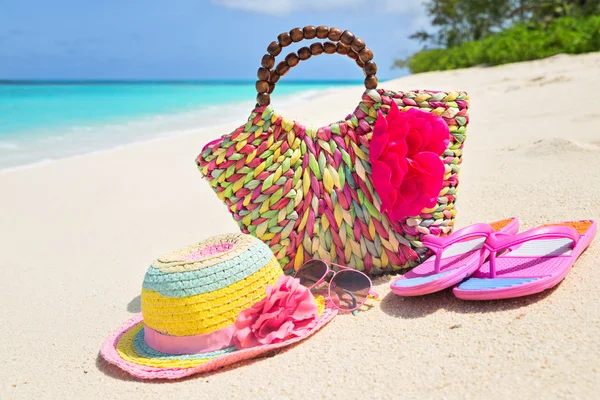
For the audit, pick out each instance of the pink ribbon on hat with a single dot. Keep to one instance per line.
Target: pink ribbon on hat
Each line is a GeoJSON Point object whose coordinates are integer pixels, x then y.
{"type": "Point", "coordinates": [288, 310]}
{"type": "Point", "coordinates": [195, 344]}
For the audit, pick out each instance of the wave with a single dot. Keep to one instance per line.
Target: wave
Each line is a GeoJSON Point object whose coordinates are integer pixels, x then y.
{"type": "Point", "coordinates": [9, 146]}
{"type": "Point", "coordinates": [44, 146]}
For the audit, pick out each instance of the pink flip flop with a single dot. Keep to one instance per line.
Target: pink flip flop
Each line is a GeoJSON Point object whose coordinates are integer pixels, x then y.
{"type": "Point", "coordinates": [456, 257]}
{"type": "Point", "coordinates": [534, 260]}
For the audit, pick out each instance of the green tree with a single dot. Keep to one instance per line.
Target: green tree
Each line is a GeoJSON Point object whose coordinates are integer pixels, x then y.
{"type": "Point", "coordinates": [458, 21]}
{"type": "Point", "coordinates": [455, 22]}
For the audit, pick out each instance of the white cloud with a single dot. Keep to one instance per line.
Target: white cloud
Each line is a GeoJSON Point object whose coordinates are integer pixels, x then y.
{"type": "Point", "coordinates": [415, 9]}
{"type": "Point", "coordinates": [283, 7]}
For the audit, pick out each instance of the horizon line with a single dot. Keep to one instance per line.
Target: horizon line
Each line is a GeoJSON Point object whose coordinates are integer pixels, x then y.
{"type": "Point", "coordinates": [162, 81]}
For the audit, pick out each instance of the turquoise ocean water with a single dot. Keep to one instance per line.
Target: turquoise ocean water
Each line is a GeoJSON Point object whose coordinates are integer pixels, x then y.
{"type": "Point", "coordinates": [41, 122]}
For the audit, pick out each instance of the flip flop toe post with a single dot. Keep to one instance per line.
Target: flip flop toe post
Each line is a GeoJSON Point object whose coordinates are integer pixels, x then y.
{"type": "Point", "coordinates": [456, 257]}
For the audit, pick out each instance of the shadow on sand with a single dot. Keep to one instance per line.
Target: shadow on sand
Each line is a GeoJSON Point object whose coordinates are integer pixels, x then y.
{"type": "Point", "coordinates": [422, 306]}
{"type": "Point", "coordinates": [135, 305]}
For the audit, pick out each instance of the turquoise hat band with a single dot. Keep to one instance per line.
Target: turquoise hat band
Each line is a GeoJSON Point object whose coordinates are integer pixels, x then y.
{"type": "Point", "coordinates": [215, 277]}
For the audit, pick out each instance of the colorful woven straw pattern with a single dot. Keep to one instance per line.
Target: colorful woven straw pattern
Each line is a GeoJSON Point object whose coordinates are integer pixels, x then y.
{"type": "Point", "coordinates": [203, 288]}
{"type": "Point", "coordinates": [196, 290]}
{"type": "Point", "coordinates": [308, 193]}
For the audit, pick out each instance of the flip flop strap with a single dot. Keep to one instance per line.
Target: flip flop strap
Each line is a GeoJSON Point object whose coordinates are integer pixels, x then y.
{"type": "Point", "coordinates": [442, 242]}
{"type": "Point", "coordinates": [496, 243]}
{"type": "Point", "coordinates": [439, 244]}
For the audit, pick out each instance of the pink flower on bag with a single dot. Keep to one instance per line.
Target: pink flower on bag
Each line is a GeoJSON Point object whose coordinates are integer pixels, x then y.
{"type": "Point", "coordinates": [405, 150]}
{"type": "Point", "coordinates": [288, 310]}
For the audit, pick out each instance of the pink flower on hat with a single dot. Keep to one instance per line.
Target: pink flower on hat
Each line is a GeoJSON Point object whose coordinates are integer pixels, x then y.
{"type": "Point", "coordinates": [288, 310]}
{"type": "Point", "coordinates": [405, 150]}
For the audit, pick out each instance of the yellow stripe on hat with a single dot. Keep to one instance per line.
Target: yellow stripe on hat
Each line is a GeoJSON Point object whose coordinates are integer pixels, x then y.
{"type": "Point", "coordinates": [207, 312]}
{"type": "Point", "coordinates": [127, 352]}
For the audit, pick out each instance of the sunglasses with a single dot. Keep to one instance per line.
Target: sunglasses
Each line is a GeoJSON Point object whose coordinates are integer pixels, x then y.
{"type": "Point", "coordinates": [348, 288]}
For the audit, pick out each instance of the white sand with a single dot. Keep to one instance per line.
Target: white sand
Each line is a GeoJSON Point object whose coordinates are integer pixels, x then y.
{"type": "Point", "coordinates": [77, 235]}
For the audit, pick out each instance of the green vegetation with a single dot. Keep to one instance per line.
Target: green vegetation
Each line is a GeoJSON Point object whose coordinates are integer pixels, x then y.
{"type": "Point", "coordinates": [519, 43]}
{"type": "Point", "coordinates": [491, 32]}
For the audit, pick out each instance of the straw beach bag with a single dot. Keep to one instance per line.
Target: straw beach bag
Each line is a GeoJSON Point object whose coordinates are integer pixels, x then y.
{"type": "Point", "coordinates": [359, 192]}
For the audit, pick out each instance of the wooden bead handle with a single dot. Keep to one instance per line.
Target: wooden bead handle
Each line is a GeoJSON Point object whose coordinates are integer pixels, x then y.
{"type": "Point", "coordinates": [344, 43]}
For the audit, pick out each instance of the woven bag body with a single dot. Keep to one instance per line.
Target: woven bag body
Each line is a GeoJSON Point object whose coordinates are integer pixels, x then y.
{"type": "Point", "coordinates": [308, 193]}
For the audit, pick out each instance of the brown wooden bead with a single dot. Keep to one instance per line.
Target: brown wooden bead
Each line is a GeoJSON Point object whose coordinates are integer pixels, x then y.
{"type": "Point", "coordinates": [371, 82]}
{"type": "Point", "coordinates": [365, 55]}
{"type": "Point", "coordinates": [262, 86]}
{"type": "Point", "coordinates": [347, 37]}
{"type": "Point", "coordinates": [263, 74]}
{"type": "Point", "coordinates": [335, 34]}
{"type": "Point", "coordinates": [274, 78]}
{"type": "Point", "coordinates": [353, 55]}
{"type": "Point", "coordinates": [274, 49]}
{"type": "Point", "coordinates": [263, 99]}
{"type": "Point", "coordinates": [284, 39]}
{"type": "Point", "coordinates": [304, 53]}
{"type": "Point", "coordinates": [296, 34]}
{"type": "Point", "coordinates": [342, 49]}
{"type": "Point", "coordinates": [292, 59]}
{"type": "Point", "coordinates": [322, 32]}
{"type": "Point", "coordinates": [329, 47]}
{"type": "Point", "coordinates": [268, 61]}
{"type": "Point", "coordinates": [370, 68]}
{"type": "Point", "coordinates": [360, 64]}
{"type": "Point", "coordinates": [271, 88]}
{"type": "Point", "coordinates": [310, 32]}
{"type": "Point", "coordinates": [282, 68]}
{"type": "Point", "coordinates": [316, 49]}
{"type": "Point", "coordinates": [358, 44]}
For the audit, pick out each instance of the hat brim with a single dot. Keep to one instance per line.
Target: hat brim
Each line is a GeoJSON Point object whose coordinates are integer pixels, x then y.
{"type": "Point", "coordinates": [125, 349]}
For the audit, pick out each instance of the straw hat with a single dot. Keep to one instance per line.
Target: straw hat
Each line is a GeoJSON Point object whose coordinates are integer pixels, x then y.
{"type": "Point", "coordinates": [191, 300]}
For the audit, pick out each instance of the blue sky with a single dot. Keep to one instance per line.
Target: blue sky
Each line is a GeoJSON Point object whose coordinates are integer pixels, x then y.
{"type": "Point", "coordinates": [190, 39]}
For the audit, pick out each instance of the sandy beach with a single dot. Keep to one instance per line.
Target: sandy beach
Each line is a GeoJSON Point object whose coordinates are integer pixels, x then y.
{"type": "Point", "coordinates": [77, 236]}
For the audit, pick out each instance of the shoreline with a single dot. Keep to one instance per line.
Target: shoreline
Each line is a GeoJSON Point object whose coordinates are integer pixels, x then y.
{"type": "Point", "coordinates": [241, 112]}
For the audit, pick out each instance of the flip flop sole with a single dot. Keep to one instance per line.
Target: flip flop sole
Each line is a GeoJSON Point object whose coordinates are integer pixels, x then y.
{"type": "Point", "coordinates": [482, 288]}
{"type": "Point", "coordinates": [459, 261]}
{"type": "Point", "coordinates": [427, 284]}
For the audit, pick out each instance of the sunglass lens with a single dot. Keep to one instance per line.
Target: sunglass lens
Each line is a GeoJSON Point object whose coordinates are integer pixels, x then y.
{"type": "Point", "coordinates": [311, 272]}
{"type": "Point", "coordinates": [349, 289]}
